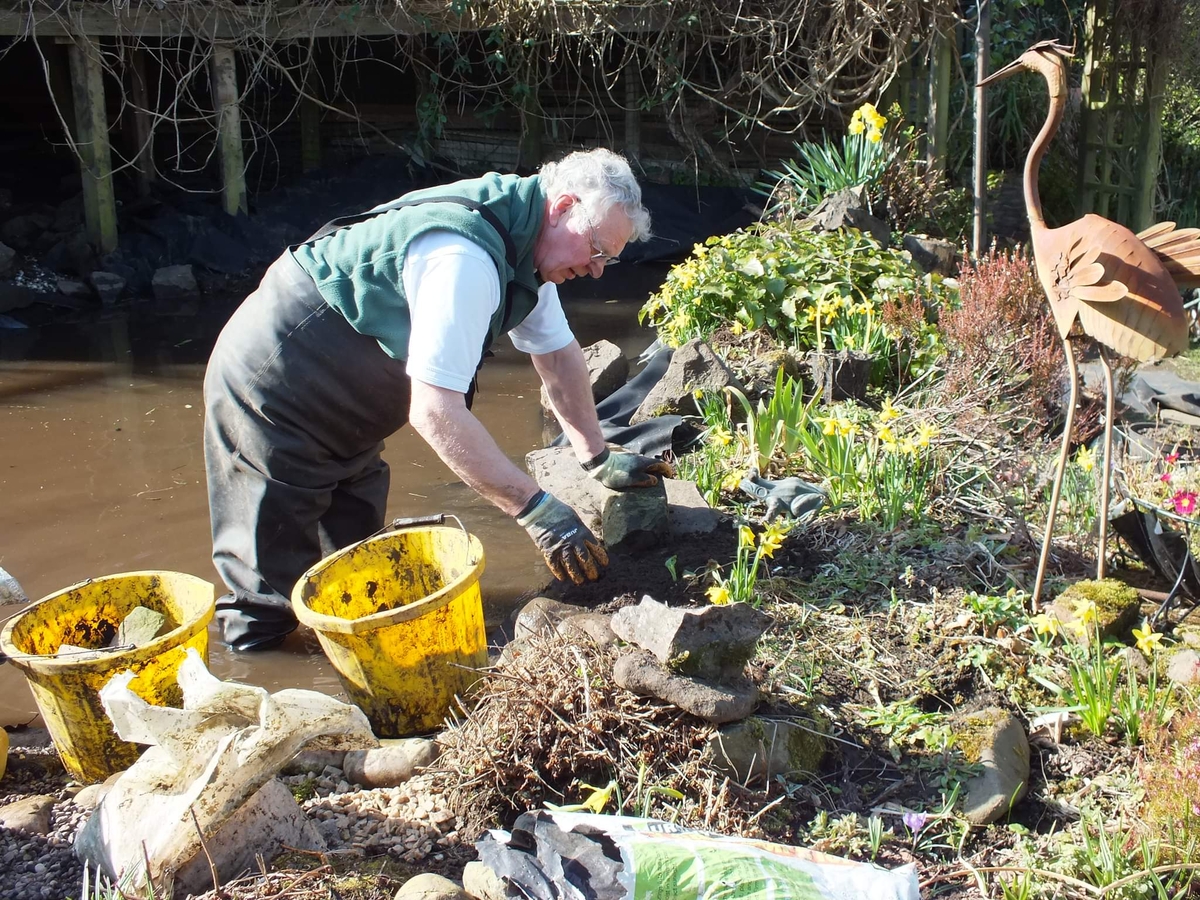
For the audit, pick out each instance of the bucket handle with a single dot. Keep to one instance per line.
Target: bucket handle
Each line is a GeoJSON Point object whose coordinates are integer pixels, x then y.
{"type": "Point", "coordinates": [433, 519]}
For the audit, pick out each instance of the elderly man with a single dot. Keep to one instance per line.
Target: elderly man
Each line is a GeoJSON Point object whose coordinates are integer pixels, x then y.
{"type": "Point", "coordinates": [382, 319]}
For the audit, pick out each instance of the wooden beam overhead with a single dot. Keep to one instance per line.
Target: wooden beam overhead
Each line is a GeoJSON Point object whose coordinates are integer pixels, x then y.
{"type": "Point", "coordinates": [195, 19]}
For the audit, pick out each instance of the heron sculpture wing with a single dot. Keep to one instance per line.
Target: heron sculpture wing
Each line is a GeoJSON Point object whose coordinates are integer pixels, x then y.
{"type": "Point", "coordinates": [1178, 249]}
{"type": "Point", "coordinates": [1119, 290]}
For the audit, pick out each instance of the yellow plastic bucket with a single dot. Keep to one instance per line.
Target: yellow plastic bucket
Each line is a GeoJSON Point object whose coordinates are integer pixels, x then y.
{"type": "Point", "coordinates": [67, 690]}
{"type": "Point", "coordinates": [400, 616]}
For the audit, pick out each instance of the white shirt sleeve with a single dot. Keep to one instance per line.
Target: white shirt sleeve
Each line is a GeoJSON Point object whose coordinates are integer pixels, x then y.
{"type": "Point", "coordinates": [453, 290]}
{"type": "Point", "coordinates": [545, 329]}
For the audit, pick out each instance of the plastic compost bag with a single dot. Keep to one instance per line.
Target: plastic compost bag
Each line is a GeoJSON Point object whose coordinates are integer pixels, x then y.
{"type": "Point", "coordinates": [207, 758]}
{"type": "Point", "coordinates": [580, 856]}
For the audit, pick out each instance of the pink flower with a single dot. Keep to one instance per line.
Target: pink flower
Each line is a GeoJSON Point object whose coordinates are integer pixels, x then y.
{"type": "Point", "coordinates": [1184, 502]}
{"type": "Point", "coordinates": [1172, 458]}
{"type": "Point", "coordinates": [1165, 476]}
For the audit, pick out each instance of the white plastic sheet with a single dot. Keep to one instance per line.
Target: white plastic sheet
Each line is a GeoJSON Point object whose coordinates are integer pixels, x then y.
{"type": "Point", "coordinates": [207, 758]}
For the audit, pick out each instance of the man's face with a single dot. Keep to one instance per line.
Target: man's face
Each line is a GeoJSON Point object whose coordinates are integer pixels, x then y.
{"type": "Point", "coordinates": [572, 244]}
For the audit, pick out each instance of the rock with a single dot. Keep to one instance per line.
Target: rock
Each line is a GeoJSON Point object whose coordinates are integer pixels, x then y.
{"type": "Point", "coordinates": [89, 797]}
{"type": "Point", "coordinates": [629, 520]}
{"type": "Point", "coordinates": [596, 627]}
{"type": "Point", "coordinates": [17, 296]}
{"type": "Point", "coordinates": [994, 739]}
{"type": "Point", "coordinates": [394, 762]}
{"type": "Point", "coordinates": [428, 886]}
{"type": "Point", "coordinates": [140, 627]}
{"type": "Point", "coordinates": [541, 615]}
{"type": "Point", "coordinates": [3, 752]}
{"type": "Point", "coordinates": [694, 366]}
{"type": "Point", "coordinates": [73, 255]}
{"type": "Point", "coordinates": [1183, 667]}
{"type": "Point", "coordinates": [68, 215]}
{"type": "Point", "coordinates": [30, 739]}
{"type": "Point", "coordinates": [608, 370]}
{"type": "Point", "coordinates": [713, 642]}
{"type": "Point", "coordinates": [1132, 659]}
{"type": "Point", "coordinates": [75, 289]}
{"type": "Point", "coordinates": [7, 256]}
{"type": "Point", "coordinates": [174, 283]}
{"type": "Point", "coordinates": [513, 651]}
{"type": "Point", "coordinates": [480, 882]}
{"type": "Point", "coordinates": [22, 231]}
{"type": "Point", "coordinates": [1188, 635]}
{"type": "Point", "coordinates": [759, 749]}
{"type": "Point", "coordinates": [847, 208]}
{"type": "Point", "coordinates": [638, 671]}
{"type": "Point", "coordinates": [108, 287]}
{"type": "Point", "coordinates": [688, 514]}
{"type": "Point", "coordinates": [634, 520]}
{"type": "Point", "coordinates": [932, 254]}
{"type": "Point", "coordinates": [30, 815]}
{"type": "Point", "coordinates": [262, 827]}
{"type": "Point", "coordinates": [314, 762]}
{"type": "Point", "coordinates": [841, 375]}
{"type": "Point", "coordinates": [1117, 607]}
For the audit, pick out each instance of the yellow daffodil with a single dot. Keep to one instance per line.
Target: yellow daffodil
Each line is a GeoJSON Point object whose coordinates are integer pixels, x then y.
{"type": "Point", "coordinates": [848, 342]}
{"type": "Point", "coordinates": [1085, 459]}
{"type": "Point", "coordinates": [721, 437]}
{"type": "Point", "coordinates": [1046, 625]}
{"type": "Point", "coordinates": [846, 428]}
{"type": "Point", "coordinates": [745, 537]}
{"type": "Point", "coordinates": [829, 427]}
{"type": "Point", "coordinates": [926, 433]}
{"type": "Point", "coordinates": [1147, 641]}
{"type": "Point", "coordinates": [885, 434]}
{"type": "Point", "coordinates": [599, 797]}
{"type": "Point", "coordinates": [698, 394]}
{"type": "Point", "coordinates": [874, 136]}
{"type": "Point", "coordinates": [907, 447]}
{"type": "Point", "coordinates": [772, 540]}
{"type": "Point", "coordinates": [718, 595]}
{"type": "Point", "coordinates": [856, 126]}
{"type": "Point", "coordinates": [1085, 611]}
{"type": "Point", "coordinates": [737, 327]}
{"type": "Point", "coordinates": [888, 412]}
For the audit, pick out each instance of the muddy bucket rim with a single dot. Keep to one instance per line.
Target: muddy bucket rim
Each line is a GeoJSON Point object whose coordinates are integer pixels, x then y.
{"type": "Point", "coordinates": [384, 618]}
{"type": "Point", "coordinates": [48, 665]}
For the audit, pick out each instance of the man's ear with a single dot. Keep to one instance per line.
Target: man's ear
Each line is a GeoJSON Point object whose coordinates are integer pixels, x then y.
{"type": "Point", "coordinates": [560, 206]}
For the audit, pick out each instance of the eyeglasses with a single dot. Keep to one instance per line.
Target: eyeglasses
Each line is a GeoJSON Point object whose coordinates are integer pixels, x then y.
{"type": "Point", "coordinates": [595, 241]}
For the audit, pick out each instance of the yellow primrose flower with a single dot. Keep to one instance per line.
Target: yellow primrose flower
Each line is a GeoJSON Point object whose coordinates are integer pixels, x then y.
{"type": "Point", "coordinates": [718, 595]}
{"type": "Point", "coordinates": [1085, 459]}
{"type": "Point", "coordinates": [1046, 625]}
{"type": "Point", "coordinates": [888, 412]}
{"type": "Point", "coordinates": [745, 537]}
{"type": "Point", "coordinates": [1147, 641]}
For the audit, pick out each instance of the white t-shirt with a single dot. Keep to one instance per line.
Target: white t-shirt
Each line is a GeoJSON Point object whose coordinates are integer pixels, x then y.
{"type": "Point", "coordinates": [453, 290]}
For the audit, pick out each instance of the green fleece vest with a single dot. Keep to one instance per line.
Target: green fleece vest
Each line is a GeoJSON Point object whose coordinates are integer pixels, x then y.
{"type": "Point", "coordinates": [359, 270]}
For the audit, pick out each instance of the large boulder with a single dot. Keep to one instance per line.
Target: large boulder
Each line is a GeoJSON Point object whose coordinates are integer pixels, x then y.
{"type": "Point", "coordinates": [174, 283]}
{"type": "Point", "coordinates": [7, 256]}
{"type": "Point", "coordinates": [932, 254]}
{"type": "Point", "coordinates": [694, 366]}
{"type": "Point", "coordinates": [711, 642]}
{"type": "Point", "coordinates": [759, 749]}
{"type": "Point", "coordinates": [639, 672]}
{"type": "Point", "coordinates": [608, 369]}
{"type": "Point", "coordinates": [848, 208]}
{"type": "Point", "coordinates": [996, 741]}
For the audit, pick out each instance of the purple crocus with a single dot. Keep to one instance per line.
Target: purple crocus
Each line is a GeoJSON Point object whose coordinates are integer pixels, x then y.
{"type": "Point", "coordinates": [915, 821]}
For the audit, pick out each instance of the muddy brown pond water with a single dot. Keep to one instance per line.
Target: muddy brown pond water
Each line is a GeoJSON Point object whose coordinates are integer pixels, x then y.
{"type": "Point", "coordinates": [102, 469]}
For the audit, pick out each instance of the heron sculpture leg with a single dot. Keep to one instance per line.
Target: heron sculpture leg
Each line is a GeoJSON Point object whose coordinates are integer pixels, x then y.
{"type": "Point", "coordinates": [1058, 476]}
{"type": "Point", "coordinates": [1106, 466]}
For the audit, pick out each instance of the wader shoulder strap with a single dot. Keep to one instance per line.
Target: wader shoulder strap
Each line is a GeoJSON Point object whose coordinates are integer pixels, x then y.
{"type": "Point", "coordinates": [510, 251]}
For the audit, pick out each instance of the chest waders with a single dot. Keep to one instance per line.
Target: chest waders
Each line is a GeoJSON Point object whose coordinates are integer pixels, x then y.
{"type": "Point", "coordinates": [297, 406]}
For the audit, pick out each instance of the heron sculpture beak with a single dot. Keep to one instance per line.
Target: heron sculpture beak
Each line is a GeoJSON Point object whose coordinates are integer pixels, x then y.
{"type": "Point", "coordinates": [1017, 65]}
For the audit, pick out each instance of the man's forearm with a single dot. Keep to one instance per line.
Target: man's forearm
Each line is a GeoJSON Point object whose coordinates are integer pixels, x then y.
{"type": "Point", "coordinates": [442, 419]}
{"type": "Point", "coordinates": [565, 375]}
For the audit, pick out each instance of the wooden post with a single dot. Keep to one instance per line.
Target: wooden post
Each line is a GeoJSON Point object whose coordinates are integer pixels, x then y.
{"type": "Point", "coordinates": [938, 122]}
{"type": "Point", "coordinates": [633, 107]}
{"type": "Point", "coordinates": [310, 128]}
{"type": "Point", "coordinates": [1150, 145]}
{"type": "Point", "coordinates": [91, 143]}
{"type": "Point", "coordinates": [982, 52]}
{"type": "Point", "coordinates": [229, 128]}
{"type": "Point", "coordinates": [143, 127]}
{"type": "Point", "coordinates": [530, 151]}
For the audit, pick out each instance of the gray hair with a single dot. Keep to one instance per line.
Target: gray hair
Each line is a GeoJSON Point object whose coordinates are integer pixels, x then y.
{"type": "Point", "coordinates": [601, 180]}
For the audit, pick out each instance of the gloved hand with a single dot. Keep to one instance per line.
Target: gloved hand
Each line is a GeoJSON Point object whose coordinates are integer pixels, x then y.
{"type": "Point", "coordinates": [619, 470]}
{"type": "Point", "coordinates": [570, 548]}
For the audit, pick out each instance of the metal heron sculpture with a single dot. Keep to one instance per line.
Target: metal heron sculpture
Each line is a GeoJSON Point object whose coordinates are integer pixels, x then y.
{"type": "Point", "coordinates": [1123, 289]}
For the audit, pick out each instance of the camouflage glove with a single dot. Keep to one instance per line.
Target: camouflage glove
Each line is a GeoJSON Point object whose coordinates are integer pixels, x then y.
{"type": "Point", "coordinates": [570, 548]}
{"type": "Point", "coordinates": [619, 470]}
